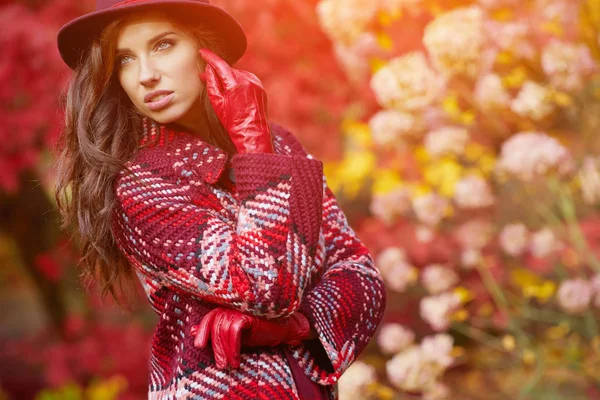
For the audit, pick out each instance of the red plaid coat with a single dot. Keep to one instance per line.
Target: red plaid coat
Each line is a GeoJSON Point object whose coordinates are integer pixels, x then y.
{"type": "Point", "coordinates": [274, 243]}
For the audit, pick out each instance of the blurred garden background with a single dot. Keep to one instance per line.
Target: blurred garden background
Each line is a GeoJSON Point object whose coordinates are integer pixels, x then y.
{"type": "Point", "coordinates": [462, 141]}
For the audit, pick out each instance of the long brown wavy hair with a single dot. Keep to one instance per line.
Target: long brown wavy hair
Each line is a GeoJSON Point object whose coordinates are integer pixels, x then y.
{"type": "Point", "coordinates": [101, 132]}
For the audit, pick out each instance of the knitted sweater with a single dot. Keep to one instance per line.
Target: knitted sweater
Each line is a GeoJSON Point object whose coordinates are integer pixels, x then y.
{"type": "Point", "coordinates": [274, 243]}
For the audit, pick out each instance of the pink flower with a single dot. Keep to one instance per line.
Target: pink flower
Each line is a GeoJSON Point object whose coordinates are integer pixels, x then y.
{"type": "Point", "coordinates": [406, 83]}
{"type": "Point", "coordinates": [490, 93]}
{"type": "Point", "coordinates": [439, 391]}
{"type": "Point", "coordinates": [533, 101]}
{"type": "Point", "coordinates": [454, 41]}
{"type": "Point", "coordinates": [513, 37]}
{"type": "Point", "coordinates": [418, 368]}
{"type": "Point", "coordinates": [345, 20]}
{"type": "Point", "coordinates": [388, 127]}
{"type": "Point", "coordinates": [529, 155]}
{"type": "Point", "coordinates": [354, 58]}
{"type": "Point", "coordinates": [395, 269]}
{"type": "Point", "coordinates": [574, 295]}
{"type": "Point", "coordinates": [589, 175]}
{"type": "Point", "coordinates": [446, 140]}
{"type": "Point", "coordinates": [438, 309]}
{"type": "Point", "coordinates": [544, 243]}
{"type": "Point", "coordinates": [474, 234]}
{"type": "Point", "coordinates": [473, 192]}
{"type": "Point", "coordinates": [438, 348]}
{"type": "Point", "coordinates": [353, 383]}
{"type": "Point", "coordinates": [430, 208]}
{"type": "Point", "coordinates": [513, 239]}
{"type": "Point", "coordinates": [389, 206]}
{"type": "Point", "coordinates": [470, 258]}
{"type": "Point", "coordinates": [568, 65]}
{"type": "Point", "coordinates": [437, 278]}
{"type": "Point", "coordinates": [394, 337]}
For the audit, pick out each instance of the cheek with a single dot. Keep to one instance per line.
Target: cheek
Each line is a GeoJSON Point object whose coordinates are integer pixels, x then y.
{"type": "Point", "coordinates": [189, 78]}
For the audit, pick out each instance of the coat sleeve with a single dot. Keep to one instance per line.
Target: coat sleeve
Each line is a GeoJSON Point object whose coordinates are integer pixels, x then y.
{"type": "Point", "coordinates": [346, 305]}
{"type": "Point", "coordinates": [259, 263]}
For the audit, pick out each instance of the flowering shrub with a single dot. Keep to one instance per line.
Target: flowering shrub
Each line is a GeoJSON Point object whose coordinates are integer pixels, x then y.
{"type": "Point", "coordinates": [484, 184]}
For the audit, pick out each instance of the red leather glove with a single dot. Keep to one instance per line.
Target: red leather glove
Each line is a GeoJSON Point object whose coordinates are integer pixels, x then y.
{"type": "Point", "coordinates": [229, 330]}
{"type": "Point", "coordinates": [240, 101]}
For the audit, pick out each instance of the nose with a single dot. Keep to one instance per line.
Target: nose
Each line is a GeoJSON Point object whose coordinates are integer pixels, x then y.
{"type": "Point", "coordinates": [148, 73]}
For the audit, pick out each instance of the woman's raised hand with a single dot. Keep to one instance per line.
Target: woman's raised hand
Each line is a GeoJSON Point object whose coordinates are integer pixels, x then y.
{"type": "Point", "coordinates": [240, 101]}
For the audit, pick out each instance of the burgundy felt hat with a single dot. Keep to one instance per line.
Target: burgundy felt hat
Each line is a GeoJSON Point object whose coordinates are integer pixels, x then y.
{"type": "Point", "coordinates": [75, 37]}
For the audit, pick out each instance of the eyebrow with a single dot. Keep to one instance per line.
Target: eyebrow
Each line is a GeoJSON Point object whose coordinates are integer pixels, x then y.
{"type": "Point", "coordinates": [154, 39]}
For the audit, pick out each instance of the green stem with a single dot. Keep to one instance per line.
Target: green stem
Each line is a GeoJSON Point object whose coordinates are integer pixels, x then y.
{"type": "Point", "coordinates": [481, 336]}
{"type": "Point", "coordinates": [532, 383]}
{"type": "Point", "coordinates": [496, 292]}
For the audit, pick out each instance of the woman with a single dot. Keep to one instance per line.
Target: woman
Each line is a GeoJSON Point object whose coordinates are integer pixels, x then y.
{"type": "Point", "coordinates": [176, 174]}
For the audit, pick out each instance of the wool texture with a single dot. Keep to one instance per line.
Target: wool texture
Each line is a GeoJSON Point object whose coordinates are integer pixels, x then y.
{"type": "Point", "coordinates": [273, 243]}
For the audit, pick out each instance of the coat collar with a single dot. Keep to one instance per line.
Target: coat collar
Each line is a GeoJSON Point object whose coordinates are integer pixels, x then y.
{"type": "Point", "coordinates": [207, 160]}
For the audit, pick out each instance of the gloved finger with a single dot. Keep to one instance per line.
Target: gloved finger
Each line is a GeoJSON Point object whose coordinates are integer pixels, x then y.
{"type": "Point", "coordinates": [250, 77]}
{"type": "Point", "coordinates": [235, 342]}
{"type": "Point", "coordinates": [213, 84]}
{"type": "Point", "coordinates": [203, 331]}
{"type": "Point", "coordinates": [225, 335]}
{"type": "Point", "coordinates": [224, 71]}
{"type": "Point", "coordinates": [219, 349]}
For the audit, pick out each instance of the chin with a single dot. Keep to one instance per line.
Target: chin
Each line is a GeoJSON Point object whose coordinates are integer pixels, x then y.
{"type": "Point", "coordinates": [166, 116]}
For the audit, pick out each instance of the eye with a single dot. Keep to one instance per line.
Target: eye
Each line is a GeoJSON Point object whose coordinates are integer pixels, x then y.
{"type": "Point", "coordinates": [164, 42]}
{"type": "Point", "coordinates": [120, 60]}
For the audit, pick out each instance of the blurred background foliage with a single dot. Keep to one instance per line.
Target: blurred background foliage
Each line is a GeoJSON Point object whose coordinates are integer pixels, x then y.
{"type": "Point", "coordinates": [461, 139]}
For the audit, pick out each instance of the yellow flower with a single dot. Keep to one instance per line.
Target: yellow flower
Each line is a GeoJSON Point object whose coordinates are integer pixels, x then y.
{"type": "Point", "coordinates": [460, 315]}
{"type": "Point", "coordinates": [559, 331]}
{"type": "Point", "coordinates": [515, 78]}
{"type": "Point", "coordinates": [386, 181]}
{"type": "Point", "coordinates": [358, 133]}
{"type": "Point", "coordinates": [443, 175]}
{"type": "Point", "coordinates": [528, 357]}
{"type": "Point", "coordinates": [464, 294]}
{"type": "Point", "coordinates": [376, 64]}
{"type": "Point", "coordinates": [107, 389]}
{"type": "Point", "coordinates": [509, 343]}
{"type": "Point", "coordinates": [384, 41]}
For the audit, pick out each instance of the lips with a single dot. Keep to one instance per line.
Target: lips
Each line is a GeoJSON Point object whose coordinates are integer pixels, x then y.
{"type": "Point", "coordinates": [150, 97]}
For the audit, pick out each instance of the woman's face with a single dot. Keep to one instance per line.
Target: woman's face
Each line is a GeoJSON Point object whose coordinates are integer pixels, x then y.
{"type": "Point", "coordinates": [153, 54]}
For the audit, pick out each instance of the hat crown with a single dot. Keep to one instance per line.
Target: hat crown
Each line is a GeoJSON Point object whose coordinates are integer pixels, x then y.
{"type": "Point", "coordinates": [105, 4]}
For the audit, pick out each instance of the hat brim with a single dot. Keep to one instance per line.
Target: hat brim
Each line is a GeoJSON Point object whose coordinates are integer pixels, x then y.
{"type": "Point", "coordinates": [75, 37]}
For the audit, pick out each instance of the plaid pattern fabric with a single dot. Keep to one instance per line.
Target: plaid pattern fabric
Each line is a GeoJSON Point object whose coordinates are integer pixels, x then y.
{"type": "Point", "coordinates": [274, 243]}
